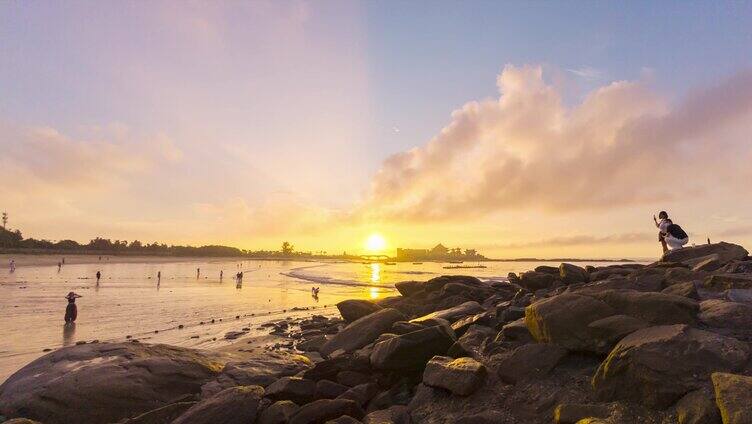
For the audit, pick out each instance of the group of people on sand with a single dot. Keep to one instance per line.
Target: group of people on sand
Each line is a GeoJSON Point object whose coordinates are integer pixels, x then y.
{"type": "Point", "coordinates": [670, 235]}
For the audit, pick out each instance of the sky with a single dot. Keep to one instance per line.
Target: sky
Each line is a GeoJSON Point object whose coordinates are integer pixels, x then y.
{"type": "Point", "coordinates": [516, 128]}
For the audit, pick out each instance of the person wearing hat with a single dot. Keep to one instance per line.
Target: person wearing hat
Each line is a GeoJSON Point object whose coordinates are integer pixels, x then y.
{"type": "Point", "coordinates": [71, 312]}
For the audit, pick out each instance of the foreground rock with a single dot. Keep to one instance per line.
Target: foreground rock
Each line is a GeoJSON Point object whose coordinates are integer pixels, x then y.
{"type": "Point", "coordinates": [461, 376]}
{"type": "Point", "coordinates": [733, 394]}
{"type": "Point", "coordinates": [323, 410]}
{"type": "Point", "coordinates": [576, 320]}
{"type": "Point", "coordinates": [354, 309]}
{"type": "Point", "coordinates": [236, 405]}
{"type": "Point", "coordinates": [658, 365]}
{"type": "Point", "coordinates": [721, 252]}
{"type": "Point", "coordinates": [105, 382]}
{"type": "Point", "coordinates": [362, 331]}
{"type": "Point", "coordinates": [411, 351]}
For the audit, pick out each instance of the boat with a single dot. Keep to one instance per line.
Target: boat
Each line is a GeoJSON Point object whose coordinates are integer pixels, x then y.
{"type": "Point", "coordinates": [455, 262]}
{"type": "Point", "coordinates": [390, 263]}
{"type": "Point", "coordinates": [417, 263]}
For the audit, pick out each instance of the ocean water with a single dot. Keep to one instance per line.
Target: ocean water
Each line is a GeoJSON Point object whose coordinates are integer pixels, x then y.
{"type": "Point", "coordinates": [128, 301]}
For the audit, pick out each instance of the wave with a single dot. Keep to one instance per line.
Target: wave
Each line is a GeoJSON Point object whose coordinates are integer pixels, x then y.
{"type": "Point", "coordinates": [298, 274]}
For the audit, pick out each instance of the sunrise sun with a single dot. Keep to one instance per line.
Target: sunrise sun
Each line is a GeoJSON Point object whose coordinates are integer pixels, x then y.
{"type": "Point", "coordinates": [375, 243]}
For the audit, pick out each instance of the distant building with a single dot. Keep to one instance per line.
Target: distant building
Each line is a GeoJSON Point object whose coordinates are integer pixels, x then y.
{"type": "Point", "coordinates": [438, 253]}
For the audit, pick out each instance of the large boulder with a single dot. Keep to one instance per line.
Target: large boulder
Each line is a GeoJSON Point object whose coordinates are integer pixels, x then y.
{"type": "Point", "coordinates": [409, 288]}
{"type": "Point", "coordinates": [528, 361]}
{"type": "Point", "coordinates": [438, 283]}
{"type": "Point", "coordinates": [534, 280]}
{"type": "Point", "coordinates": [354, 309]}
{"type": "Point", "coordinates": [461, 376]}
{"type": "Point", "coordinates": [658, 365]}
{"type": "Point", "coordinates": [362, 331]}
{"type": "Point", "coordinates": [397, 414]}
{"type": "Point", "coordinates": [323, 410]}
{"type": "Point", "coordinates": [725, 252]}
{"type": "Point", "coordinates": [261, 371]}
{"type": "Point", "coordinates": [573, 274]}
{"type": "Point", "coordinates": [728, 282]}
{"type": "Point", "coordinates": [564, 320]}
{"type": "Point", "coordinates": [296, 389]}
{"type": "Point", "coordinates": [105, 382]}
{"type": "Point", "coordinates": [651, 307]}
{"type": "Point", "coordinates": [236, 405]}
{"type": "Point", "coordinates": [722, 314]}
{"type": "Point", "coordinates": [697, 407]}
{"type": "Point", "coordinates": [453, 314]}
{"type": "Point", "coordinates": [411, 351]}
{"type": "Point", "coordinates": [732, 395]}
{"type": "Point", "coordinates": [279, 412]}
{"type": "Point", "coordinates": [164, 414]}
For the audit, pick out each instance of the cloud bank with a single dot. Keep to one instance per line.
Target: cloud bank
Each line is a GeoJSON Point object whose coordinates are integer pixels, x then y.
{"type": "Point", "coordinates": [622, 145]}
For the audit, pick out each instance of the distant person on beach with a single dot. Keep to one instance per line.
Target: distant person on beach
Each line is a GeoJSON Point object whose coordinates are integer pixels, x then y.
{"type": "Point", "coordinates": [221, 274]}
{"type": "Point", "coordinates": [198, 273]}
{"type": "Point", "coordinates": [59, 266]}
{"type": "Point", "coordinates": [99, 275]}
{"type": "Point", "coordinates": [71, 312]}
{"type": "Point", "coordinates": [12, 265]}
{"type": "Point", "coordinates": [159, 276]}
{"type": "Point", "coordinates": [63, 261]}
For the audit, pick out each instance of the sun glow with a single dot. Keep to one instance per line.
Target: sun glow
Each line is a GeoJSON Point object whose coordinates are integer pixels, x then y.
{"type": "Point", "coordinates": [375, 243]}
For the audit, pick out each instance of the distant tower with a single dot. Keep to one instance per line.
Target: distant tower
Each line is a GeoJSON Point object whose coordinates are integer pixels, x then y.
{"type": "Point", "coordinates": [5, 219]}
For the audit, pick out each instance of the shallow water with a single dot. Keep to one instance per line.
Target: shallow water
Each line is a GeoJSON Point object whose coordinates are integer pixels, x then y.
{"type": "Point", "coordinates": [129, 302]}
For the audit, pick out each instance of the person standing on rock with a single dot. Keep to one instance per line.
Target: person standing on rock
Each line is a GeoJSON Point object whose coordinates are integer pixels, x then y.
{"type": "Point", "coordinates": [71, 311]}
{"type": "Point", "coordinates": [662, 222]}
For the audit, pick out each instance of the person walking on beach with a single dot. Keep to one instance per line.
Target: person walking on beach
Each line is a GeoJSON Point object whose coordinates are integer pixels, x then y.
{"type": "Point", "coordinates": [59, 266]}
{"type": "Point", "coordinates": [198, 273]}
{"type": "Point", "coordinates": [71, 311]}
{"type": "Point", "coordinates": [12, 265]}
{"type": "Point", "coordinates": [159, 277]}
{"type": "Point", "coordinates": [99, 275]}
{"type": "Point", "coordinates": [221, 274]}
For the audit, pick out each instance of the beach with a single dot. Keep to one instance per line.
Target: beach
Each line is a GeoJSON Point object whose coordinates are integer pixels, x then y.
{"type": "Point", "coordinates": [129, 304]}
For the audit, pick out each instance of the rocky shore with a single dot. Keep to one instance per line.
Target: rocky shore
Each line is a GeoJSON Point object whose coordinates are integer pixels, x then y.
{"type": "Point", "coordinates": [661, 343]}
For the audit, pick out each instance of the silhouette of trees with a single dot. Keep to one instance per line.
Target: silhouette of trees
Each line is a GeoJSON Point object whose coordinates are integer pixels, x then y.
{"type": "Point", "coordinates": [5, 219]}
{"type": "Point", "coordinates": [287, 248]}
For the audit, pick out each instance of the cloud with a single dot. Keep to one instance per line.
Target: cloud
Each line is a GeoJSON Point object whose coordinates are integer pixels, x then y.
{"type": "Point", "coordinates": [586, 73]}
{"type": "Point", "coordinates": [621, 146]}
{"type": "Point", "coordinates": [46, 157]}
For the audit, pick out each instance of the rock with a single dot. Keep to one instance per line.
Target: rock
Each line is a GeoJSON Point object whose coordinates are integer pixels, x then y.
{"type": "Point", "coordinates": [362, 331]}
{"type": "Point", "coordinates": [658, 365]}
{"type": "Point", "coordinates": [571, 413]}
{"type": "Point", "coordinates": [279, 412]}
{"type": "Point", "coordinates": [608, 331]}
{"type": "Point", "coordinates": [732, 395]}
{"type": "Point", "coordinates": [515, 331]}
{"type": "Point", "coordinates": [409, 288]}
{"type": "Point", "coordinates": [322, 410]}
{"type": "Point", "coordinates": [487, 319]}
{"type": "Point", "coordinates": [461, 376]}
{"type": "Point", "coordinates": [533, 280]}
{"type": "Point", "coordinates": [726, 252]}
{"type": "Point", "coordinates": [398, 394]}
{"type": "Point", "coordinates": [472, 341]}
{"type": "Point", "coordinates": [296, 389]}
{"type": "Point", "coordinates": [354, 309]}
{"type": "Point", "coordinates": [739, 295]}
{"type": "Point", "coordinates": [20, 421]}
{"type": "Point", "coordinates": [236, 405]}
{"type": "Point", "coordinates": [647, 279]}
{"type": "Point", "coordinates": [397, 414]}
{"type": "Point", "coordinates": [706, 263]}
{"type": "Point", "coordinates": [352, 378]}
{"type": "Point", "coordinates": [453, 314]}
{"type": "Point", "coordinates": [654, 308]}
{"type": "Point", "coordinates": [573, 274]}
{"type": "Point", "coordinates": [313, 344]}
{"type": "Point", "coordinates": [256, 372]}
{"type": "Point", "coordinates": [722, 314]}
{"type": "Point", "coordinates": [345, 419]}
{"type": "Point", "coordinates": [728, 282]}
{"type": "Point", "coordinates": [697, 407]}
{"type": "Point", "coordinates": [735, 267]}
{"type": "Point", "coordinates": [232, 335]}
{"type": "Point", "coordinates": [564, 320]}
{"type": "Point", "coordinates": [686, 289]}
{"type": "Point", "coordinates": [607, 272]}
{"type": "Point", "coordinates": [545, 269]}
{"type": "Point", "coordinates": [361, 393]}
{"type": "Point", "coordinates": [411, 351]}
{"type": "Point", "coordinates": [105, 382]}
{"type": "Point", "coordinates": [438, 283]}
{"type": "Point", "coordinates": [326, 389]}
{"type": "Point", "coordinates": [165, 414]}
{"type": "Point", "coordinates": [528, 361]}
{"type": "Point", "coordinates": [678, 275]}
{"type": "Point", "coordinates": [329, 368]}
{"type": "Point", "coordinates": [404, 327]}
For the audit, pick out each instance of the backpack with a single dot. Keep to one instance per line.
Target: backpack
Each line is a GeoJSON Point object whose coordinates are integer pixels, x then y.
{"type": "Point", "coordinates": [676, 231]}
